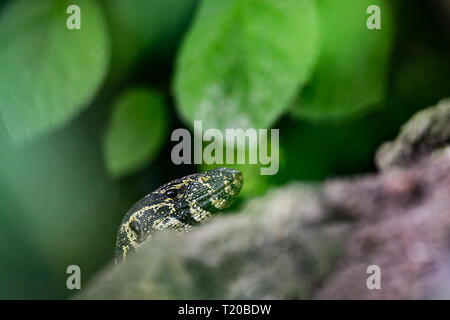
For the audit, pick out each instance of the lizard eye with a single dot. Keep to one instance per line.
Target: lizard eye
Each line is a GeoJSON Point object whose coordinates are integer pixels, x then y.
{"type": "Point", "coordinates": [172, 193]}
{"type": "Point", "coordinates": [136, 228]}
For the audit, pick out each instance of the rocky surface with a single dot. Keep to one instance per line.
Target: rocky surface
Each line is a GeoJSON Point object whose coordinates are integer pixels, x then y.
{"type": "Point", "coordinates": [302, 241]}
{"type": "Point", "coordinates": [278, 247]}
{"type": "Point", "coordinates": [402, 225]}
{"type": "Point", "coordinates": [426, 131]}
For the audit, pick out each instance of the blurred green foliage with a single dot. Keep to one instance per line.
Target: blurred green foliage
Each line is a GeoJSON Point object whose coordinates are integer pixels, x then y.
{"type": "Point", "coordinates": [144, 28]}
{"type": "Point", "coordinates": [246, 59]}
{"type": "Point", "coordinates": [350, 75]}
{"type": "Point", "coordinates": [42, 65]}
{"type": "Point", "coordinates": [86, 115]}
{"type": "Point", "coordinates": [136, 132]}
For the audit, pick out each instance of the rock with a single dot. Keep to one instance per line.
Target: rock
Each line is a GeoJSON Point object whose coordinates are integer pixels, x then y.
{"type": "Point", "coordinates": [426, 131]}
{"type": "Point", "coordinates": [315, 241]}
{"type": "Point", "coordinates": [277, 247]}
{"type": "Point", "coordinates": [402, 225]}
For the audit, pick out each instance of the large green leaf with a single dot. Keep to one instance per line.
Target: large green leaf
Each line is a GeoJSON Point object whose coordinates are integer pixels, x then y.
{"type": "Point", "coordinates": [350, 75]}
{"type": "Point", "coordinates": [48, 73]}
{"type": "Point", "coordinates": [136, 132]}
{"type": "Point", "coordinates": [243, 61]}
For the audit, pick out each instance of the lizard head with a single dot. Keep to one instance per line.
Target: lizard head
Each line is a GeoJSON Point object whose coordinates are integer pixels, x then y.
{"type": "Point", "coordinates": [178, 205]}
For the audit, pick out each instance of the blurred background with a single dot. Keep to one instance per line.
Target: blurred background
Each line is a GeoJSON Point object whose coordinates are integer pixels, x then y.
{"type": "Point", "coordinates": [86, 115]}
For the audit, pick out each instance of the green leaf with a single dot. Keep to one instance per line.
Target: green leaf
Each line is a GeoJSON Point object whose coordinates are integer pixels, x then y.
{"type": "Point", "coordinates": [136, 131]}
{"type": "Point", "coordinates": [48, 73]}
{"type": "Point", "coordinates": [243, 61]}
{"type": "Point", "coordinates": [350, 76]}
